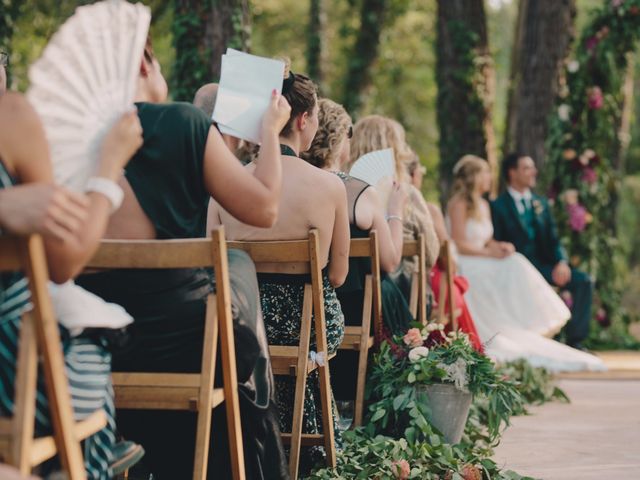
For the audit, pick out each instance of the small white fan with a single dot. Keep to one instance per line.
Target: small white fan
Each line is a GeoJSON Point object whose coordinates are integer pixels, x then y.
{"type": "Point", "coordinates": [374, 166]}
{"type": "Point", "coordinates": [85, 80]}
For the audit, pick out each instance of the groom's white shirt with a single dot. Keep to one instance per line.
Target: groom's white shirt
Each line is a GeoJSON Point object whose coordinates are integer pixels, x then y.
{"type": "Point", "coordinates": [517, 197]}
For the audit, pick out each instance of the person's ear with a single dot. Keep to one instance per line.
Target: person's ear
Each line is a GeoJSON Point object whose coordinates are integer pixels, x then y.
{"type": "Point", "coordinates": [302, 121]}
{"type": "Point", "coordinates": [144, 68]}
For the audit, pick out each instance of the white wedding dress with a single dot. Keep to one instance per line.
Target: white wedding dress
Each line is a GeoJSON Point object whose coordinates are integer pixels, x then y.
{"type": "Point", "coordinates": [515, 310]}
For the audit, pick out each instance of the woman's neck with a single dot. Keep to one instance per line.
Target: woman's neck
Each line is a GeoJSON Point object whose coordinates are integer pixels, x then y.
{"type": "Point", "coordinates": [292, 143]}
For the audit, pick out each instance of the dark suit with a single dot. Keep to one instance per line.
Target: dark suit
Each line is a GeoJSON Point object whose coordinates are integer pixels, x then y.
{"type": "Point", "coordinates": [534, 235]}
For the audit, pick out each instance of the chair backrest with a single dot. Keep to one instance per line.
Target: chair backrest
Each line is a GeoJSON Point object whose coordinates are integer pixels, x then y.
{"type": "Point", "coordinates": [446, 287]}
{"type": "Point", "coordinates": [26, 254]}
{"type": "Point", "coordinates": [411, 248]}
{"type": "Point", "coordinates": [292, 252]}
{"type": "Point", "coordinates": [368, 247]}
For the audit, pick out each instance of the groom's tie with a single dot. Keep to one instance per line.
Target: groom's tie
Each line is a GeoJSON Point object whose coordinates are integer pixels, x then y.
{"type": "Point", "coordinates": [528, 218]}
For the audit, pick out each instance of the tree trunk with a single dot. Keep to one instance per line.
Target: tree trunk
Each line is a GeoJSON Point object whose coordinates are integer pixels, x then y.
{"type": "Point", "coordinates": [365, 52]}
{"type": "Point", "coordinates": [466, 83]}
{"type": "Point", "coordinates": [202, 31]}
{"type": "Point", "coordinates": [229, 27]}
{"type": "Point", "coordinates": [543, 38]}
{"type": "Point", "coordinates": [315, 41]}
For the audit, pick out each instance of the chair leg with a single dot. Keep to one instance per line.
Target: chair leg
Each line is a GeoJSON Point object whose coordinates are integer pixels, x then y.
{"type": "Point", "coordinates": [203, 430]}
{"type": "Point", "coordinates": [363, 352]}
{"type": "Point", "coordinates": [25, 396]}
{"type": "Point", "coordinates": [413, 298]}
{"type": "Point", "coordinates": [48, 339]}
{"type": "Point", "coordinates": [301, 383]}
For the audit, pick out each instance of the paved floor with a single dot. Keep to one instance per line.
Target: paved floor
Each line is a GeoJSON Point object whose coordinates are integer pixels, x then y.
{"type": "Point", "coordinates": [596, 436]}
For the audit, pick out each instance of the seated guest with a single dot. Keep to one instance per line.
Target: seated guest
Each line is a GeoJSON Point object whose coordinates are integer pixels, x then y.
{"type": "Point", "coordinates": [416, 172]}
{"type": "Point", "coordinates": [517, 309]}
{"type": "Point", "coordinates": [523, 218]}
{"type": "Point", "coordinates": [376, 133]}
{"type": "Point", "coordinates": [205, 100]}
{"type": "Point", "coordinates": [167, 185]}
{"type": "Point", "coordinates": [71, 225]}
{"type": "Point", "coordinates": [330, 151]}
{"type": "Point", "coordinates": [311, 198]}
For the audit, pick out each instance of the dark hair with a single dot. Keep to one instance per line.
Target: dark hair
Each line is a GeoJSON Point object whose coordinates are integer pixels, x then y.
{"type": "Point", "coordinates": [510, 162]}
{"type": "Point", "coordinates": [302, 95]}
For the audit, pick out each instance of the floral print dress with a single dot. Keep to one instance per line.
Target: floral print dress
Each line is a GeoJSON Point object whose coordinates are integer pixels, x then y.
{"type": "Point", "coordinates": [282, 298]}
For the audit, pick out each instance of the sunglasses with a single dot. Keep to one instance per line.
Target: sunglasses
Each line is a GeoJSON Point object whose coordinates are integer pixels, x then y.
{"type": "Point", "coordinates": [350, 132]}
{"type": "Point", "coordinates": [4, 58]}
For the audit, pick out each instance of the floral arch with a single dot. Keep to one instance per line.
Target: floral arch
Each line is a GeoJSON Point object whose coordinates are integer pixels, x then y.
{"type": "Point", "coordinates": [584, 152]}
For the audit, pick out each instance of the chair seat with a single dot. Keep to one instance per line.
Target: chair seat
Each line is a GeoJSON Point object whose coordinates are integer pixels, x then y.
{"type": "Point", "coordinates": [160, 391]}
{"type": "Point", "coordinates": [44, 448]}
{"type": "Point", "coordinates": [284, 360]}
{"type": "Point", "coordinates": [352, 337]}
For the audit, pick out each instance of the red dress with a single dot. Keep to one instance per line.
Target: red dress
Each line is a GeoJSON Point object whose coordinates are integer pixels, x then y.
{"type": "Point", "coordinates": [465, 322]}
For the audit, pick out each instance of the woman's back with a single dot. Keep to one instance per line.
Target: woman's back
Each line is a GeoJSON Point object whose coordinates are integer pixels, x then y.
{"type": "Point", "coordinates": [311, 198]}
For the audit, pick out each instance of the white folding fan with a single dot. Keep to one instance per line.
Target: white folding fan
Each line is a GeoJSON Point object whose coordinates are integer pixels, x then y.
{"type": "Point", "coordinates": [375, 166]}
{"type": "Point", "coordinates": [85, 80]}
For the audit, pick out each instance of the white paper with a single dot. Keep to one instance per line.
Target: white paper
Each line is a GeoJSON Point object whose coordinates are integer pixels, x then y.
{"type": "Point", "coordinates": [244, 93]}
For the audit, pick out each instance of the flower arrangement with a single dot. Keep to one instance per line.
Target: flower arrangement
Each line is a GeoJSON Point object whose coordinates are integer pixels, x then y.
{"type": "Point", "coordinates": [426, 356]}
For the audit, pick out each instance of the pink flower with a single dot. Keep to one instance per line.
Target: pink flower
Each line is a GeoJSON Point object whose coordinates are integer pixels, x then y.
{"type": "Point", "coordinates": [413, 338]}
{"type": "Point", "coordinates": [401, 468]}
{"type": "Point", "coordinates": [602, 318]}
{"type": "Point", "coordinates": [616, 3]}
{"type": "Point", "coordinates": [592, 43]}
{"type": "Point", "coordinates": [589, 175]}
{"type": "Point", "coordinates": [577, 217]}
{"type": "Point", "coordinates": [567, 298]}
{"type": "Point", "coordinates": [595, 100]}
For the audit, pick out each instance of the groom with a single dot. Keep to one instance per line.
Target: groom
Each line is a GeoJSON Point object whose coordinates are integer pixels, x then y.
{"type": "Point", "coordinates": [523, 218]}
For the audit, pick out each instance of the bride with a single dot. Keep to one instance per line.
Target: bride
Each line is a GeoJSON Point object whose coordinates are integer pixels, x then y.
{"type": "Point", "coordinates": [514, 308]}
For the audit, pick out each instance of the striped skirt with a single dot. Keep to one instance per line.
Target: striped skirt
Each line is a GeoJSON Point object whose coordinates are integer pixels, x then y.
{"type": "Point", "coordinates": [88, 367]}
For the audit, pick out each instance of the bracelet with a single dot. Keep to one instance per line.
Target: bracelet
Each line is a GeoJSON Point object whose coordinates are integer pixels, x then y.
{"type": "Point", "coordinates": [393, 217]}
{"type": "Point", "coordinates": [108, 188]}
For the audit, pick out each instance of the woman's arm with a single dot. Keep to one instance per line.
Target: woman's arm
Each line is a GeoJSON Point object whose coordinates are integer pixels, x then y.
{"type": "Point", "coordinates": [340, 239]}
{"type": "Point", "coordinates": [28, 154]}
{"type": "Point", "coordinates": [438, 222]}
{"type": "Point", "coordinates": [251, 197]}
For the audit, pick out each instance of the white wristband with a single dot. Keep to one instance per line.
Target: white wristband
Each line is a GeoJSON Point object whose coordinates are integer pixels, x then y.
{"type": "Point", "coordinates": [108, 188]}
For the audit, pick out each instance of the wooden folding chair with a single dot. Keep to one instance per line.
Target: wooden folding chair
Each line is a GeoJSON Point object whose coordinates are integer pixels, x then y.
{"type": "Point", "coordinates": [294, 360]}
{"type": "Point", "coordinates": [446, 297]}
{"type": "Point", "coordinates": [418, 298]}
{"type": "Point", "coordinates": [186, 391]}
{"type": "Point", "coordinates": [359, 337]}
{"type": "Point", "coordinates": [39, 334]}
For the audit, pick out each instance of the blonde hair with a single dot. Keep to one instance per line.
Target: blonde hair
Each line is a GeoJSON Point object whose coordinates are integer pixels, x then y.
{"type": "Point", "coordinates": [465, 172]}
{"type": "Point", "coordinates": [376, 132]}
{"type": "Point", "coordinates": [333, 127]}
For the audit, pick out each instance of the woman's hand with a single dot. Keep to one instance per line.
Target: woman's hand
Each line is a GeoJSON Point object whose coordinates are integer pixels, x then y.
{"type": "Point", "coordinates": [120, 144]}
{"type": "Point", "coordinates": [47, 209]}
{"type": "Point", "coordinates": [507, 247]}
{"type": "Point", "coordinates": [277, 115]}
{"type": "Point", "coordinates": [397, 200]}
{"type": "Point", "coordinates": [495, 250]}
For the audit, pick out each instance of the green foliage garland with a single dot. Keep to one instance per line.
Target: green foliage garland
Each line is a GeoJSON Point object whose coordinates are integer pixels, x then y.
{"type": "Point", "coordinates": [583, 151]}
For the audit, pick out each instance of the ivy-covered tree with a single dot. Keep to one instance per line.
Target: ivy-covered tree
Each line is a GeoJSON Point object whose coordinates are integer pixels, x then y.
{"type": "Point", "coordinates": [465, 78]}
{"type": "Point", "coordinates": [543, 38]}
{"type": "Point", "coordinates": [202, 31]}
{"type": "Point", "coordinates": [315, 40]}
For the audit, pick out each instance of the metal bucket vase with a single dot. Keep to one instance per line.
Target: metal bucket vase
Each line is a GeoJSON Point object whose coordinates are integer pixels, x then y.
{"type": "Point", "coordinates": [449, 408]}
